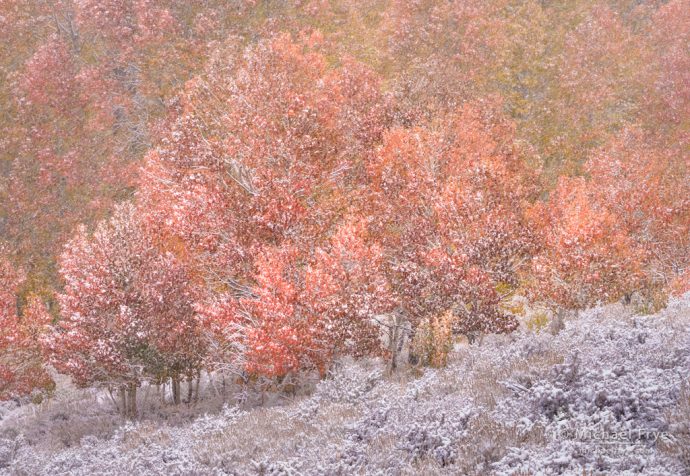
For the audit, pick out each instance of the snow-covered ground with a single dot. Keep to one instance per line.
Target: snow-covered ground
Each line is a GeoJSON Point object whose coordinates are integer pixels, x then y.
{"type": "Point", "coordinates": [608, 395]}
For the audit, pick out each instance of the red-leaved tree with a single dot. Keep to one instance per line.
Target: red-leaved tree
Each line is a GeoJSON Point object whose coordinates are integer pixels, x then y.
{"type": "Point", "coordinates": [127, 310]}
{"type": "Point", "coordinates": [587, 256]}
{"type": "Point", "coordinates": [447, 206]}
{"type": "Point", "coordinates": [252, 176]}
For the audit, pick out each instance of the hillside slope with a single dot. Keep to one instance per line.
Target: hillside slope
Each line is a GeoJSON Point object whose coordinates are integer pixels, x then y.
{"type": "Point", "coordinates": [608, 395]}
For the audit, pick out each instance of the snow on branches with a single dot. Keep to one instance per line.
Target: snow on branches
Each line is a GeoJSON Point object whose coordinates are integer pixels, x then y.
{"type": "Point", "coordinates": [127, 307]}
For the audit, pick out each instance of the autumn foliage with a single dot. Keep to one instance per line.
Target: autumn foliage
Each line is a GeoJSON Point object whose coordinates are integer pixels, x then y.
{"type": "Point", "coordinates": [22, 371]}
{"type": "Point", "coordinates": [127, 308]}
{"type": "Point", "coordinates": [587, 256]}
{"type": "Point", "coordinates": [265, 187]}
{"type": "Point", "coordinates": [447, 204]}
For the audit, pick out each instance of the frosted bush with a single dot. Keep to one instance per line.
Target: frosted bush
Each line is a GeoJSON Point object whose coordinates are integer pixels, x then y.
{"type": "Point", "coordinates": [435, 434]}
{"type": "Point", "coordinates": [208, 424]}
{"type": "Point", "coordinates": [348, 383]}
{"type": "Point", "coordinates": [283, 468]}
{"type": "Point", "coordinates": [8, 448]}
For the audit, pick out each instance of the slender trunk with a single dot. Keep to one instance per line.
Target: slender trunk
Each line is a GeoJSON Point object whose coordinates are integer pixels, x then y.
{"type": "Point", "coordinates": [123, 401]}
{"type": "Point", "coordinates": [197, 385]}
{"type": "Point", "coordinates": [224, 393]}
{"type": "Point", "coordinates": [626, 299]}
{"type": "Point", "coordinates": [402, 334]}
{"type": "Point", "coordinates": [212, 384]}
{"type": "Point", "coordinates": [176, 390]}
{"type": "Point", "coordinates": [190, 389]}
{"type": "Point", "coordinates": [412, 357]}
{"type": "Point", "coordinates": [557, 323]}
{"type": "Point", "coordinates": [112, 398]}
{"type": "Point", "coordinates": [147, 393]}
{"type": "Point", "coordinates": [132, 397]}
{"type": "Point", "coordinates": [393, 344]}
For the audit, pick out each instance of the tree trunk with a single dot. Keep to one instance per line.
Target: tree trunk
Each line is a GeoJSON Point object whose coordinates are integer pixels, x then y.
{"type": "Point", "coordinates": [412, 357]}
{"type": "Point", "coordinates": [627, 299]}
{"type": "Point", "coordinates": [401, 337]}
{"type": "Point", "coordinates": [397, 337]}
{"type": "Point", "coordinates": [132, 397]}
{"type": "Point", "coordinates": [557, 324]}
{"type": "Point", "coordinates": [128, 400]}
{"type": "Point", "coordinates": [393, 343]}
{"type": "Point", "coordinates": [190, 389]}
{"type": "Point", "coordinates": [176, 390]}
{"type": "Point", "coordinates": [197, 385]}
{"type": "Point", "coordinates": [123, 401]}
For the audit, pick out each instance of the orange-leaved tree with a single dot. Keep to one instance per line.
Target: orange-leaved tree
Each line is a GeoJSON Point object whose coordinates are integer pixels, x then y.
{"type": "Point", "coordinates": [252, 176]}
{"type": "Point", "coordinates": [587, 255]}
{"type": "Point", "coordinates": [447, 207]}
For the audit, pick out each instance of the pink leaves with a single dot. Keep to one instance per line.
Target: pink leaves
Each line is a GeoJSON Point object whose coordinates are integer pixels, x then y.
{"type": "Point", "coordinates": [126, 21]}
{"type": "Point", "coordinates": [587, 253]}
{"type": "Point", "coordinates": [450, 207]}
{"type": "Point", "coordinates": [21, 360]}
{"type": "Point", "coordinates": [253, 178]}
{"type": "Point", "coordinates": [286, 200]}
{"type": "Point", "coordinates": [609, 235]}
{"type": "Point", "coordinates": [127, 307]}
{"type": "Point", "coordinates": [49, 76]}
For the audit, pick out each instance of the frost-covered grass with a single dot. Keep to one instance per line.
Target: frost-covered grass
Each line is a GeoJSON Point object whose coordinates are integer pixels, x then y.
{"type": "Point", "coordinates": [609, 394]}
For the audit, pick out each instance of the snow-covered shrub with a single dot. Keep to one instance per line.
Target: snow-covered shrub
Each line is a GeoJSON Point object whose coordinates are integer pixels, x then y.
{"type": "Point", "coordinates": [208, 424]}
{"type": "Point", "coordinates": [435, 434]}
{"type": "Point", "coordinates": [8, 449]}
{"type": "Point", "coordinates": [277, 468]}
{"type": "Point", "coordinates": [348, 383]}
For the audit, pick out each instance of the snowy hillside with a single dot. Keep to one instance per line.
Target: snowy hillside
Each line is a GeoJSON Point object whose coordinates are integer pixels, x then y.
{"type": "Point", "coordinates": [608, 395]}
